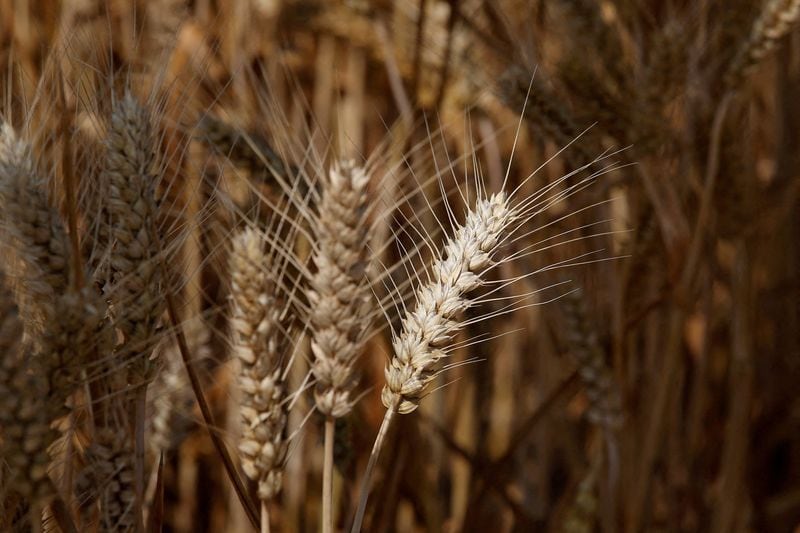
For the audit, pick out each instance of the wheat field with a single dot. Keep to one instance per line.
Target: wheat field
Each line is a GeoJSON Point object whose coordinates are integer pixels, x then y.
{"type": "Point", "coordinates": [411, 265]}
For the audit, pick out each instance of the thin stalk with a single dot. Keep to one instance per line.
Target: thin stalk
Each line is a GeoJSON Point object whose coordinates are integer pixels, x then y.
{"type": "Point", "coordinates": [327, 477]}
{"type": "Point", "coordinates": [205, 410]}
{"type": "Point", "coordinates": [264, 517]}
{"type": "Point", "coordinates": [138, 450]}
{"type": "Point", "coordinates": [373, 458]}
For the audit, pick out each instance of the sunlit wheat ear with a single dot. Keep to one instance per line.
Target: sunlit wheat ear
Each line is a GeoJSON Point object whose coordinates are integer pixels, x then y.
{"type": "Point", "coordinates": [107, 478]}
{"type": "Point", "coordinates": [255, 325]}
{"type": "Point", "coordinates": [430, 326]}
{"type": "Point", "coordinates": [339, 297]}
{"type": "Point", "coordinates": [777, 18]}
{"type": "Point", "coordinates": [136, 298]}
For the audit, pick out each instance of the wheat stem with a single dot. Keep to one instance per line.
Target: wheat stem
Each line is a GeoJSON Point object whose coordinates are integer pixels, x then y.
{"type": "Point", "coordinates": [373, 459]}
{"type": "Point", "coordinates": [327, 477]}
{"type": "Point", "coordinates": [264, 517]}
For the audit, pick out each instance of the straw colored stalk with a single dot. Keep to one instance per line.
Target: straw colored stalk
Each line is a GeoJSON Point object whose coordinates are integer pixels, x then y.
{"type": "Point", "coordinates": [256, 332]}
{"type": "Point", "coordinates": [339, 299]}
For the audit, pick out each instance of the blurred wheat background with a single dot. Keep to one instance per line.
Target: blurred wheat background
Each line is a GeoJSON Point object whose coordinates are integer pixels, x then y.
{"type": "Point", "coordinates": [657, 391]}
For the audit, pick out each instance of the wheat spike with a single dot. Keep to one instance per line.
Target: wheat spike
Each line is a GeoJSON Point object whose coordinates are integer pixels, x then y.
{"type": "Point", "coordinates": [429, 328]}
{"type": "Point", "coordinates": [31, 229]}
{"type": "Point", "coordinates": [136, 297]}
{"type": "Point", "coordinates": [776, 20]}
{"type": "Point", "coordinates": [339, 295]}
{"type": "Point", "coordinates": [255, 325]}
{"type": "Point", "coordinates": [605, 402]}
{"type": "Point", "coordinates": [24, 418]}
{"type": "Point", "coordinates": [108, 476]}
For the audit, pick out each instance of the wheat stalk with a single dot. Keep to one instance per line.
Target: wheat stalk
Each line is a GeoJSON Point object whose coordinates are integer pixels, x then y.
{"type": "Point", "coordinates": [255, 324]}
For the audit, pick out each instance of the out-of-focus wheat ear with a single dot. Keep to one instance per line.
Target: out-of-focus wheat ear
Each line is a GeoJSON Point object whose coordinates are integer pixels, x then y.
{"type": "Point", "coordinates": [31, 230]}
{"type": "Point", "coordinates": [338, 298]}
{"type": "Point", "coordinates": [249, 151]}
{"type": "Point", "coordinates": [255, 325]}
{"type": "Point", "coordinates": [173, 398]}
{"type": "Point", "coordinates": [23, 413]}
{"type": "Point", "coordinates": [775, 21]}
{"type": "Point", "coordinates": [15, 512]}
{"type": "Point", "coordinates": [135, 294]}
{"type": "Point", "coordinates": [27, 434]}
{"type": "Point", "coordinates": [581, 515]}
{"type": "Point", "coordinates": [602, 390]}
{"type": "Point", "coordinates": [107, 480]}
{"type": "Point", "coordinates": [428, 329]}
{"type": "Point", "coordinates": [66, 328]}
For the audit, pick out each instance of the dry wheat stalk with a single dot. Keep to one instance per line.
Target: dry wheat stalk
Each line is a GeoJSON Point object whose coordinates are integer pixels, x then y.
{"type": "Point", "coordinates": [256, 329]}
{"type": "Point", "coordinates": [339, 294]}
{"type": "Point", "coordinates": [430, 327]}
{"type": "Point", "coordinates": [775, 21]}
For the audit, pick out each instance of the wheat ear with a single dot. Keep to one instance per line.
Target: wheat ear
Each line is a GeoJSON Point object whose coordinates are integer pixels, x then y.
{"type": "Point", "coordinates": [429, 328]}
{"type": "Point", "coordinates": [256, 329]}
{"type": "Point", "coordinates": [31, 228]}
{"type": "Point", "coordinates": [23, 416]}
{"type": "Point", "coordinates": [136, 296]}
{"type": "Point", "coordinates": [109, 473]}
{"type": "Point", "coordinates": [338, 298]}
{"type": "Point", "coordinates": [775, 21]}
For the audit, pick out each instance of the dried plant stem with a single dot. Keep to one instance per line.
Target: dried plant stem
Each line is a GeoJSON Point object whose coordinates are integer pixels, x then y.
{"type": "Point", "coordinates": [327, 477]}
{"type": "Point", "coordinates": [264, 517]}
{"type": "Point", "coordinates": [140, 405]}
{"type": "Point", "coordinates": [373, 459]}
{"type": "Point", "coordinates": [205, 410]}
